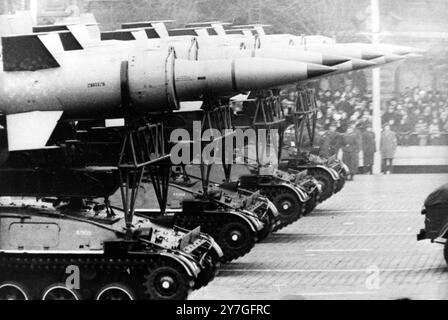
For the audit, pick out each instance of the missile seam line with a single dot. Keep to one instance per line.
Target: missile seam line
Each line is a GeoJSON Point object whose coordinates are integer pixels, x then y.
{"type": "Point", "coordinates": [234, 86]}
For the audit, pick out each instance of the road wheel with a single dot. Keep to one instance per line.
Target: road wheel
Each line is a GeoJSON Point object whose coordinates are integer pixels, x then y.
{"type": "Point", "coordinates": [235, 239]}
{"type": "Point", "coordinates": [115, 291]}
{"type": "Point", "coordinates": [288, 206]}
{"type": "Point", "coordinates": [327, 183]}
{"type": "Point", "coordinates": [59, 291]}
{"type": "Point", "coordinates": [167, 283]}
{"type": "Point", "coordinates": [12, 291]}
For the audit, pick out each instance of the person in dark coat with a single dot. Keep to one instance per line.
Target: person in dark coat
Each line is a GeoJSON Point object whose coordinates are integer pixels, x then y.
{"type": "Point", "coordinates": [388, 147]}
{"type": "Point", "coordinates": [351, 148]}
{"type": "Point", "coordinates": [330, 142]}
{"type": "Point", "coordinates": [368, 148]}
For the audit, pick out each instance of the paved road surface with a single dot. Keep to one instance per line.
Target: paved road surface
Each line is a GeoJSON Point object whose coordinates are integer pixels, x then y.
{"type": "Point", "coordinates": [360, 244]}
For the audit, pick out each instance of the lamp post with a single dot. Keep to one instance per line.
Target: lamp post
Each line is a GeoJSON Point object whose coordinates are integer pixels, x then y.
{"type": "Point", "coordinates": [376, 87]}
{"type": "Point", "coordinates": [33, 7]}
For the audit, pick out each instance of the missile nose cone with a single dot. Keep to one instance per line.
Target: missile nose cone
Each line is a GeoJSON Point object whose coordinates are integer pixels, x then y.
{"type": "Point", "coordinates": [393, 57]}
{"type": "Point", "coordinates": [330, 60]}
{"type": "Point", "coordinates": [370, 55]}
{"type": "Point", "coordinates": [402, 50]}
{"type": "Point", "coordinates": [361, 64]}
{"type": "Point", "coordinates": [412, 56]}
{"type": "Point", "coordinates": [268, 73]}
{"type": "Point", "coordinates": [316, 70]}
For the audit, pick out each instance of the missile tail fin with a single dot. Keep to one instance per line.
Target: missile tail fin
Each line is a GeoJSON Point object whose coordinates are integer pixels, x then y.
{"type": "Point", "coordinates": [117, 35]}
{"type": "Point", "coordinates": [31, 130]}
{"type": "Point", "coordinates": [69, 41]}
{"type": "Point", "coordinates": [26, 53]}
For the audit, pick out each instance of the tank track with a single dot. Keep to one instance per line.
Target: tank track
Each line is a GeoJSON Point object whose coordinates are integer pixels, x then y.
{"type": "Point", "coordinates": [212, 223]}
{"type": "Point", "coordinates": [36, 273]}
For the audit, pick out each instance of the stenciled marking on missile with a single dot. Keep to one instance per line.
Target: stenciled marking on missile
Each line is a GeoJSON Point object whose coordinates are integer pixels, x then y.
{"type": "Point", "coordinates": [96, 84]}
{"type": "Point", "coordinates": [202, 78]}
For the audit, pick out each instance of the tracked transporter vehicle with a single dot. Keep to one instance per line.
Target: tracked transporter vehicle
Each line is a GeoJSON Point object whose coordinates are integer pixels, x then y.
{"type": "Point", "coordinates": [299, 145]}
{"type": "Point", "coordinates": [435, 210]}
{"type": "Point", "coordinates": [235, 218]}
{"type": "Point", "coordinates": [294, 195]}
{"type": "Point", "coordinates": [45, 94]}
{"type": "Point", "coordinates": [112, 254]}
{"type": "Point", "coordinates": [116, 254]}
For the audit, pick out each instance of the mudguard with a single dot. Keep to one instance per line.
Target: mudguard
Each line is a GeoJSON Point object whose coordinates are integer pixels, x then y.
{"type": "Point", "coordinates": [190, 267]}
{"type": "Point", "coordinates": [345, 169]}
{"type": "Point", "coordinates": [436, 222]}
{"type": "Point", "coordinates": [254, 223]}
{"type": "Point", "coordinates": [216, 247]}
{"type": "Point", "coordinates": [273, 208]}
{"type": "Point", "coordinates": [334, 175]}
{"type": "Point", "coordinates": [303, 196]}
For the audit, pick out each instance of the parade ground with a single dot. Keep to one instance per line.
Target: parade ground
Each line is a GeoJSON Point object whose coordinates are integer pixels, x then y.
{"type": "Point", "coordinates": [360, 244]}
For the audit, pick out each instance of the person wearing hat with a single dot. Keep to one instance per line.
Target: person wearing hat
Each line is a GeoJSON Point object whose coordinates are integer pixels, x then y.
{"type": "Point", "coordinates": [350, 149]}
{"type": "Point", "coordinates": [368, 149]}
{"type": "Point", "coordinates": [330, 142]}
{"type": "Point", "coordinates": [388, 147]}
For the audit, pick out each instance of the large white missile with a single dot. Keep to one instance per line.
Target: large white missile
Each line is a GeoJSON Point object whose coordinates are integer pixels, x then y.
{"type": "Point", "coordinates": [292, 54]}
{"type": "Point", "coordinates": [288, 40]}
{"type": "Point", "coordinates": [352, 52]}
{"type": "Point", "coordinates": [241, 77]}
{"type": "Point", "coordinates": [383, 47]}
{"type": "Point", "coordinates": [39, 76]}
{"type": "Point", "coordinates": [206, 49]}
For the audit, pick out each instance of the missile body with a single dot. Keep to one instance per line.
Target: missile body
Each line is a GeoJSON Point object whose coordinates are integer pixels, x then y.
{"type": "Point", "coordinates": [355, 52]}
{"type": "Point", "coordinates": [242, 77]}
{"type": "Point", "coordinates": [220, 47]}
{"type": "Point", "coordinates": [383, 47]}
{"type": "Point", "coordinates": [286, 54]}
{"type": "Point", "coordinates": [91, 81]}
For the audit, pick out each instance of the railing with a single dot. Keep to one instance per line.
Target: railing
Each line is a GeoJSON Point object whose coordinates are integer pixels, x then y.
{"type": "Point", "coordinates": [422, 139]}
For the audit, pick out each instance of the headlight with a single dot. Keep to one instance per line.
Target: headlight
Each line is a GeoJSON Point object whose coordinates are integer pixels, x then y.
{"type": "Point", "coordinates": [423, 210]}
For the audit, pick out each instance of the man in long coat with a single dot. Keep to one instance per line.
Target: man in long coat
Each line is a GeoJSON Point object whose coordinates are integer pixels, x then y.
{"type": "Point", "coordinates": [351, 148]}
{"type": "Point", "coordinates": [368, 149]}
{"type": "Point", "coordinates": [330, 142]}
{"type": "Point", "coordinates": [388, 147]}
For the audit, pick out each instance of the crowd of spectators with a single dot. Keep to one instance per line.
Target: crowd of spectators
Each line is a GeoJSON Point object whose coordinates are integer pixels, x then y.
{"type": "Point", "coordinates": [418, 117]}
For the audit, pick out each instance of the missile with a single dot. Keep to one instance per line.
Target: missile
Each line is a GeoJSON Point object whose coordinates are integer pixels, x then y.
{"type": "Point", "coordinates": [413, 56]}
{"type": "Point", "coordinates": [389, 48]}
{"type": "Point", "coordinates": [387, 59]}
{"type": "Point", "coordinates": [225, 77]}
{"type": "Point", "coordinates": [211, 50]}
{"type": "Point", "coordinates": [320, 44]}
{"type": "Point", "coordinates": [351, 65]}
{"type": "Point", "coordinates": [365, 51]}
{"type": "Point", "coordinates": [231, 52]}
{"type": "Point", "coordinates": [39, 77]}
{"type": "Point", "coordinates": [355, 52]}
{"type": "Point", "coordinates": [302, 55]}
